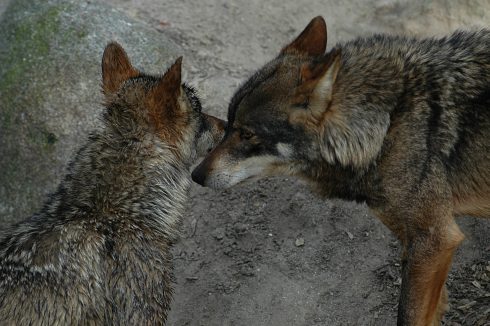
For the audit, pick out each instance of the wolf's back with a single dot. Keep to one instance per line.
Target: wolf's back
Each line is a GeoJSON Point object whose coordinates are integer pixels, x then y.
{"type": "Point", "coordinates": [437, 93]}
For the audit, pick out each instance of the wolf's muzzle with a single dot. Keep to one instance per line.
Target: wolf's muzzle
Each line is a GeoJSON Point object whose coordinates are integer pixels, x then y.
{"type": "Point", "coordinates": [200, 173]}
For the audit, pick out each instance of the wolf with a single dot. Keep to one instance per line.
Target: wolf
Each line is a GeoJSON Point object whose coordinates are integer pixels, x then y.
{"type": "Point", "coordinates": [98, 251]}
{"type": "Point", "coordinates": [400, 123]}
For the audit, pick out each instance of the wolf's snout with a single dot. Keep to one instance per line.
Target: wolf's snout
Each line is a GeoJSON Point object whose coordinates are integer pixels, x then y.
{"type": "Point", "coordinates": [199, 174]}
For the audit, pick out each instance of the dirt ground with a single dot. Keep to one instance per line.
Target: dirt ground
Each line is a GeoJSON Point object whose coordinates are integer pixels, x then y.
{"type": "Point", "coordinates": [271, 253]}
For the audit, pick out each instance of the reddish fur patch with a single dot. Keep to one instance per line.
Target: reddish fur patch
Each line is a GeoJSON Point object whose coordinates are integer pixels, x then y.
{"type": "Point", "coordinates": [165, 106]}
{"type": "Point", "coordinates": [116, 68]}
{"type": "Point", "coordinates": [428, 282]}
{"type": "Point", "coordinates": [429, 268]}
{"type": "Point", "coordinates": [312, 72]}
{"type": "Point", "coordinates": [312, 41]}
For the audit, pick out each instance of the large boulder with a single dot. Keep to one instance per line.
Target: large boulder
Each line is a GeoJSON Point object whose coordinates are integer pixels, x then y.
{"type": "Point", "coordinates": [50, 53]}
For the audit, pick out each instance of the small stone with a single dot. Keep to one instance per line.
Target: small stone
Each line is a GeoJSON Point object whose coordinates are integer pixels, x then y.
{"type": "Point", "coordinates": [466, 306]}
{"type": "Point", "coordinates": [476, 284]}
{"type": "Point", "coordinates": [350, 235]}
{"type": "Point", "coordinates": [483, 320]}
{"type": "Point", "coordinates": [299, 242]}
{"type": "Point", "coordinates": [240, 227]}
{"type": "Point", "coordinates": [247, 271]}
{"type": "Point", "coordinates": [219, 233]}
{"type": "Point", "coordinates": [227, 251]}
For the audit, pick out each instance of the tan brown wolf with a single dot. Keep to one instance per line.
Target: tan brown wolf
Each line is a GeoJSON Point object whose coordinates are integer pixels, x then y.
{"type": "Point", "coordinates": [98, 251]}
{"type": "Point", "coordinates": [399, 123]}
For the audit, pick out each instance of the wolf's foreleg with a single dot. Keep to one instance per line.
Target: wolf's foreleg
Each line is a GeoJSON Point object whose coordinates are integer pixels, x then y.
{"type": "Point", "coordinates": [426, 262]}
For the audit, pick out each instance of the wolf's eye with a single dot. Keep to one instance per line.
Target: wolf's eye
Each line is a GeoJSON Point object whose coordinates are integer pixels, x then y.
{"type": "Point", "coordinates": [246, 134]}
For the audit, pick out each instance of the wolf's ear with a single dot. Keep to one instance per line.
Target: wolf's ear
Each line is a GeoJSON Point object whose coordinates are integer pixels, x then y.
{"type": "Point", "coordinates": [317, 79]}
{"type": "Point", "coordinates": [116, 68]}
{"type": "Point", "coordinates": [163, 99]}
{"type": "Point", "coordinates": [312, 40]}
{"type": "Point", "coordinates": [168, 89]}
{"type": "Point", "coordinates": [172, 80]}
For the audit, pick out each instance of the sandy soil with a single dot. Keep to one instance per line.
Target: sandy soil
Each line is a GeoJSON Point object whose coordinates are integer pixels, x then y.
{"type": "Point", "coordinates": [271, 253]}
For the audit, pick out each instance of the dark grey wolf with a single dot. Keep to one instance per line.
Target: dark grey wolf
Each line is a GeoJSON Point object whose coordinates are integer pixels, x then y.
{"type": "Point", "coordinates": [399, 123]}
{"type": "Point", "coordinates": [98, 251]}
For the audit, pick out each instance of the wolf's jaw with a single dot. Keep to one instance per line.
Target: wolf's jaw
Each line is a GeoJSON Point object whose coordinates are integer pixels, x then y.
{"type": "Point", "coordinates": [217, 183]}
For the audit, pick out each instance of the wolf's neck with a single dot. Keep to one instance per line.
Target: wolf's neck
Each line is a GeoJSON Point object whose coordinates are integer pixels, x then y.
{"type": "Point", "coordinates": [334, 181]}
{"type": "Point", "coordinates": [108, 180]}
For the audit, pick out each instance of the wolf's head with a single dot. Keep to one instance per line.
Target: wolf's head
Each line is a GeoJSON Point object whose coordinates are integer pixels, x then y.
{"type": "Point", "coordinates": [142, 107]}
{"type": "Point", "coordinates": [304, 109]}
{"type": "Point", "coordinates": [276, 117]}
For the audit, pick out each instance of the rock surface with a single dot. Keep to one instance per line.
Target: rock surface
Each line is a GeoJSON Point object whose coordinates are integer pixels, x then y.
{"type": "Point", "coordinates": [50, 88]}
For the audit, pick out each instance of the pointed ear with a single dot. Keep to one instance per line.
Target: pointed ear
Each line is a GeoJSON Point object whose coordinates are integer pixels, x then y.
{"type": "Point", "coordinates": [163, 99]}
{"type": "Point", "coordinates": [116, 68]}
{"type": "Point", "coordinates": [312, 40]}
{"type": "Point", "coordinates": [317, 81]}
{"type": "Point", "coordinates": [172, 80]}
{"type": "Point", "coordinates": [168, 89]}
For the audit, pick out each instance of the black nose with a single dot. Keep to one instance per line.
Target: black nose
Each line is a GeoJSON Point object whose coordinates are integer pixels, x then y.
{"type": "Point", "coordinates": [198, 176]}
